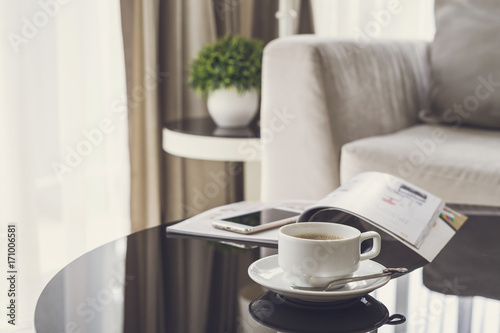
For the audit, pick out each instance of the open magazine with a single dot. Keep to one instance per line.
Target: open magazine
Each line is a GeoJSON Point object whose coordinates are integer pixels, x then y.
{"type": "Point", "coordinates": [399, 207]}
{"type": "Point", "coordinates": [413, 216]}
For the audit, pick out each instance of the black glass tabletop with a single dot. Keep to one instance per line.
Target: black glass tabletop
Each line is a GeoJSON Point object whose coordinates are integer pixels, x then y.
{"type": "Point", "coordinates": [152, 282]}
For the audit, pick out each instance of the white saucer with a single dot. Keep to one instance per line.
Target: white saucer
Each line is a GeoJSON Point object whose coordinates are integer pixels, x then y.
{"type": "Point", "coordinates": [268, 274]}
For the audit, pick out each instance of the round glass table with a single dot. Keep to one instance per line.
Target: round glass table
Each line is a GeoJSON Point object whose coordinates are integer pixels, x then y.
{"type": "Point", "coordinates": [151, 281]}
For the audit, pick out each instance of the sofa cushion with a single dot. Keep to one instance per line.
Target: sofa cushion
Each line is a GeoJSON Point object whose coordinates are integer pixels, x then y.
{"type": "Point", "coordinates": [460, 165]}
{"type": "Point", "coordinates": [465, 63]}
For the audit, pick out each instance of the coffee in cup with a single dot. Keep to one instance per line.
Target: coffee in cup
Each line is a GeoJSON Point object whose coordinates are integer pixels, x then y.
{"type": "Point", "coordinates": [318, 236]}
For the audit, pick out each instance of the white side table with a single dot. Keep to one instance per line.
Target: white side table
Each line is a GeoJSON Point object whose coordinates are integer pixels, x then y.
{"type": "Point", "coordinates": [202, 139]}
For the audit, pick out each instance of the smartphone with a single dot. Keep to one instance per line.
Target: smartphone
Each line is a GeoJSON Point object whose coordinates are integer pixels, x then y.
{"type": "Point", "coordinates": [257, 221]}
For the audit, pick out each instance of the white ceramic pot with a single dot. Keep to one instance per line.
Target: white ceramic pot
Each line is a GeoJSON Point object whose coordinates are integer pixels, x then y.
{"type": "Point", "coordinates": [230, 109]}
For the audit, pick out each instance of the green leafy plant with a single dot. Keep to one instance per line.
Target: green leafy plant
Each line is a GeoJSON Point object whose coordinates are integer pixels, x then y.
{"type": "Point", "coordinates": [231, 61]}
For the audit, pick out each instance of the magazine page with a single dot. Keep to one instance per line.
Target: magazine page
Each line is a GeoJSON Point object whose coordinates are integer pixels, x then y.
{"type": "Point", "coordinates": [405, 210]}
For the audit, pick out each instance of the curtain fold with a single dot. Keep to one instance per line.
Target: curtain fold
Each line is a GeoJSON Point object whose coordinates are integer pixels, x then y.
{"type": "Point", "coordinates": [140, 39]}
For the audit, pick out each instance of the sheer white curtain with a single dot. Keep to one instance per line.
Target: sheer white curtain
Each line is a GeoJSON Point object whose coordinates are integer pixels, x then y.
{"type": "Point", "coordinates": [64, 171]}
{"type": "Point", "coordinates": [369, 19]}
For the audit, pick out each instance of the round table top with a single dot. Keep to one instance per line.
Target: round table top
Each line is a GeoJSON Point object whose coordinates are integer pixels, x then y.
{"type": "Point", "coordinates": [206, 127]}
{"type": "Point", "coordinates": [202, 139]}
{"type": "Point", "coordinates": [151, 281]}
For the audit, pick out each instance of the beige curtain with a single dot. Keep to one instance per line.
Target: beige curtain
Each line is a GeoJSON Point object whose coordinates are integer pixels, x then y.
{"type": "Point", "coordinates": [140, 37]}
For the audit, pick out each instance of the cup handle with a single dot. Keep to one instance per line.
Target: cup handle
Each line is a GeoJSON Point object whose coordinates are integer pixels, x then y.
{"type": "Point", "coordinates": [376, 245]}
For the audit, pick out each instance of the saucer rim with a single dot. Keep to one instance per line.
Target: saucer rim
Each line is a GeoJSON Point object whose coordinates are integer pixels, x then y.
{"type": "Point", "coordinates": [307, 294]}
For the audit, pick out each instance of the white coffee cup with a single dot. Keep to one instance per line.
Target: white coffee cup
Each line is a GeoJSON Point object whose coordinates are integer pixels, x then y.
{"type": "Point", "coordinates": [315, 262]}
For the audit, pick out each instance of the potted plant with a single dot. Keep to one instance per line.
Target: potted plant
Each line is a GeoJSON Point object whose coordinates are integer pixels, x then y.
{"type": "Point", "coordinates": [227, 73]}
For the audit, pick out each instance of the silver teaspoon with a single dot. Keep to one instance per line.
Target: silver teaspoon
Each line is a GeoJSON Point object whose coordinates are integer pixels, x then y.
{"type": "Point", "coordinates": [339, 283]}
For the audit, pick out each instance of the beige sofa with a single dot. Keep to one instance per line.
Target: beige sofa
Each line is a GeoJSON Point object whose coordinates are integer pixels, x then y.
{"type": "Point", "coordinates": [334, 108]}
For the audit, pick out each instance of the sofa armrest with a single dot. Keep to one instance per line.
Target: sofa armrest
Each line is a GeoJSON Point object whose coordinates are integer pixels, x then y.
{"type": "Point", "coordinates": [320, 93]}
